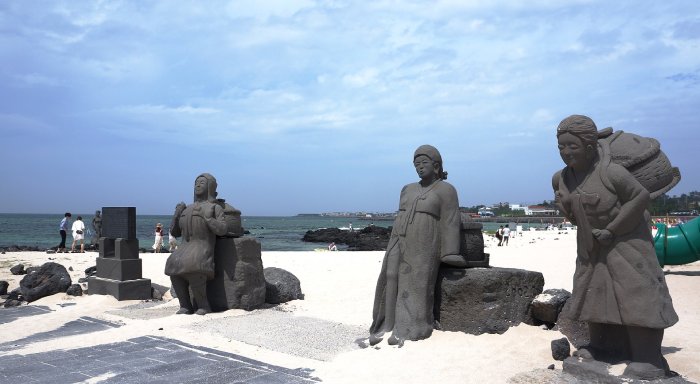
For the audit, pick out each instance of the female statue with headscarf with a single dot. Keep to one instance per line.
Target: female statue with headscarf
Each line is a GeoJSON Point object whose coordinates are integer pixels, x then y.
{"type": "Point", "coordinates": [192, 263]}
{"type": "Point", "coordinates": [619, 288]}
{"type": "Point", "coordinates": [426, 230]}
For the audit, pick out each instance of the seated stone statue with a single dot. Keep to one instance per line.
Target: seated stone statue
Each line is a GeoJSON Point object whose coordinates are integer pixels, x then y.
{"type": "Point", "coordinates": [426, 230]}
{"type": "Point", "coordinates": [619, 288]}
{"type": "Point", "coordinates": [191, 265]}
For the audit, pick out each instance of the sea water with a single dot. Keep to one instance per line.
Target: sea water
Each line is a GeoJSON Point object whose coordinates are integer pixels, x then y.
{"type": "Point", "coordinates": [275, 233]}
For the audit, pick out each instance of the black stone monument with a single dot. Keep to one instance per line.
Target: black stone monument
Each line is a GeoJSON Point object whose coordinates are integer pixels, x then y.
{"type": "Point", "coordinates": [119, 267]}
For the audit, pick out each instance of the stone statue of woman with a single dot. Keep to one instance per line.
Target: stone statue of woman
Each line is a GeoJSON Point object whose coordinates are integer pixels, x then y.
{"type": "Point", "coordinates": [619, 288]}
{"type": "Point", "coordinates": [192, 263]}
{"type": "Point", "coordinates": [97, 227]}
{"type": "Point", "coordinates": [426, 230]}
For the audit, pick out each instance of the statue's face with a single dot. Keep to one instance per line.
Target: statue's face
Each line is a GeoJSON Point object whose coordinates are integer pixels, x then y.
{"type": "Point", "coordinates": [200, 186]}
{"type": "Point", "coordinates": [425, 167]}
{"type": "Point", "coordinates": [573, 152]}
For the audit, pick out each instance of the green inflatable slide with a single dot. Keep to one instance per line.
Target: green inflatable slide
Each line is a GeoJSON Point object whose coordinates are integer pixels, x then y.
{"type": "Point", "coordinates": [678, 245]}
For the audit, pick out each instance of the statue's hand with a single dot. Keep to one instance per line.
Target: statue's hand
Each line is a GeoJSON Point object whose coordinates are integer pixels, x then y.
{"type": "Point", "coordinates": [603, 236]}
{"type": "Point", "coordinates": [179, 208]}
{"type": "Point", "coordinates": [212, 212]}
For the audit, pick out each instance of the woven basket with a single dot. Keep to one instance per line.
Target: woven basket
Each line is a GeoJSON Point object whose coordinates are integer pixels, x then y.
{"type": "Point", "coordinates": [643, 157]}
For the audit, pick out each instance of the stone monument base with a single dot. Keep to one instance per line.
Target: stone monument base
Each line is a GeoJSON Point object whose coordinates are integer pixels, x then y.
{"type": "Point", "coordinates": [139, 289]}
{"type": "Point", "coordinates": [485, 300]}
{"type": "Point", "coordinates": [593, 371]}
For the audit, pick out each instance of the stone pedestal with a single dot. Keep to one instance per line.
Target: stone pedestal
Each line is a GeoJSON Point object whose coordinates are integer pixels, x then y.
{"type": "Point", "coordinates": [485, 300]}
{"type": "Point", "coordinates": [139, 289]}
{"type": "Point", "coordinates": [239, 281]}
{"type": "Point", "coordinates": [119, 267]}
{"type": "Point", "coordinates": [592, 371]}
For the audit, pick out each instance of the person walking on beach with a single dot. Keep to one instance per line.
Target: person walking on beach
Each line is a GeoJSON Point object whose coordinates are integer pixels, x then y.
{"type": "Point", "coordinates": [506, 235]}
{"type": "Point", "coordinates": [499, 235]}
{"type": "Point", "coordinates": [78, 230]}
{"type": "Point", "coordinates": [158, 244]}
{"type": "Point", "coordinates": [172, 241]}
{"type": "Point", "coordinates": [63, 228]}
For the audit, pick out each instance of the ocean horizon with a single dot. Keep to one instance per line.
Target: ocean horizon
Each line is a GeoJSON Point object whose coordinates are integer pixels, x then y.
{"type": "Point", "coordinates": [275, 233]}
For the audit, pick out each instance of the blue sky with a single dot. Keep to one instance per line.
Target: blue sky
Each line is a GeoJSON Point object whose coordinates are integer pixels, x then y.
{"type": "Point", "coordinates": [310, 106]}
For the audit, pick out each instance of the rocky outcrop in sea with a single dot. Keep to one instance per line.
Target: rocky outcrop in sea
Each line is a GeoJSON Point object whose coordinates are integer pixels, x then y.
{"type": "Point", "coordinates": [370, 238]}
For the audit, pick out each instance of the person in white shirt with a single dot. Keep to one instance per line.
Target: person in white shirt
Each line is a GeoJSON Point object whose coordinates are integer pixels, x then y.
{"type": "Point", "coordinates": [78, 229]}
{"type": "Point", "coordinates": [506, 235]}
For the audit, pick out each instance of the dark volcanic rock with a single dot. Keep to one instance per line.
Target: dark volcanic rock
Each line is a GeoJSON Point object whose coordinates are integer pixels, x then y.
{"type": "Point", "coordinates": [18, 270]}
{"type": "Point", "coordinates": [485, 300]}
{"type": "Point", "coordinates": [12, 303]}
{"type": "Point", "coordinates": [281, 286]}
{"type": "Point", "coordinates": [20, 248]}
{"type": "Point", "coordinates": [16, 295]}
{"type": "Point", "coordinates": [547, 305]}
{"type": "Point", "coordinates": [91, 271]}
{"type": "Point", "coordinates": [3, 287]}
{"type": "Point", "coordinates": [370, 238]}
{"type": "Point", "coordinates": [49, 279]}
{"type": "Point", "coordinates": [75, 290]}
{"type": "Point", "coordinates": [560, 349]}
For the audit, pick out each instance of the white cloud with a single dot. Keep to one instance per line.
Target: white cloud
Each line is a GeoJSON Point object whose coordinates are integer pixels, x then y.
{"type": "Point", "coordinates": [264, 9]}
{"type": "Point", "coordinates": [362, 78]}
{"type": "Point", "coordinates": [542, 115]}
{"type": "Point", "coordinates": [164, 110]}
{"type": "Point", "coordinates": [263, 35]}
{"type": "Point", "coordinates": [86, 14]}
{"type": "Point", "coordinates": [299, 78]}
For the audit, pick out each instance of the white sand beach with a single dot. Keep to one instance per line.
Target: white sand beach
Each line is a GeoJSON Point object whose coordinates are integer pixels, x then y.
{"type": "Point", "coordinates": [319, 332]}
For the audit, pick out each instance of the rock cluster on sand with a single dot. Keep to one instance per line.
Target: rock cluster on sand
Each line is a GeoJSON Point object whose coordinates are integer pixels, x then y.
{"type": "Point", "coordinates": [38, 282]}
{"type": "Point", "coordinates": [49, 279]}
{"type": "Point", "coordinates": [21, 248]}
{"type": "Point", "coordinates": [370, 238]}
{"type": "Point", "coordinates": [281, 286]}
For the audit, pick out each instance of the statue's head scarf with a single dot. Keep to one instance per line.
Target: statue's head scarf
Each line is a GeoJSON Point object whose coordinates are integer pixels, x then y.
{"type": "Point", "coordinates": [211, 187]}
{"type": "Point", "coordinates": [433, 154]}
{"type": "Point", "coordinates": [580, 126]}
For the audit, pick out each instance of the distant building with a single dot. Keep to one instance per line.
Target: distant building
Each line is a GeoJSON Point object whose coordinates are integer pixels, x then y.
{"type": "Point", "coordinates": [538, 210]}
{"type": "Point", "coordinates": [517, 207]}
